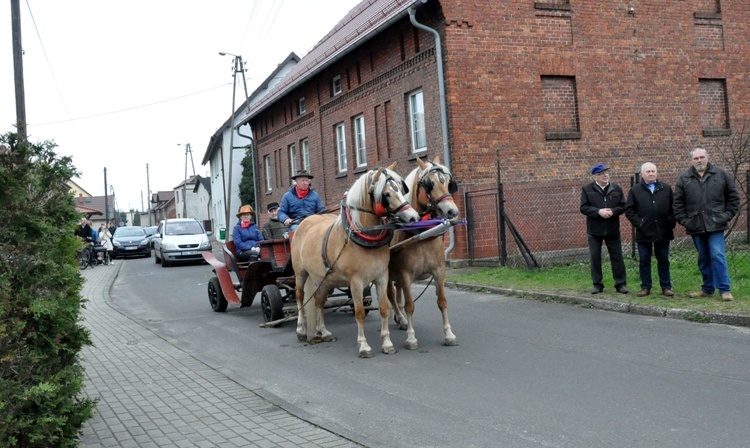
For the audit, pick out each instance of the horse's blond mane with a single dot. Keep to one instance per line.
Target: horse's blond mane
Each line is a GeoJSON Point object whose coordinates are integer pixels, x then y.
{"type": "Point", "coordinates": [358, 196]}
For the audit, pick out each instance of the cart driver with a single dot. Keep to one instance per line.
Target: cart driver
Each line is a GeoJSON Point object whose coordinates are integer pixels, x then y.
{"type": "Point", "coordinates": [300, 201]}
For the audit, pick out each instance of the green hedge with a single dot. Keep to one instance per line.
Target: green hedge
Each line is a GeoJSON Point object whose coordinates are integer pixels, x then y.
{"type": "Point", "coordinates": [41, 336]}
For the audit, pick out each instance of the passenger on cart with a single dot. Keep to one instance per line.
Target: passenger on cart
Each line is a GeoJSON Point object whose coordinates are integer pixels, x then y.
{"type": "Point", "coordinates": [246, 235]}
{"type": "Point", "coordinates": [300, 201]}
{"type": "Point", "coordinates": [273, 229]}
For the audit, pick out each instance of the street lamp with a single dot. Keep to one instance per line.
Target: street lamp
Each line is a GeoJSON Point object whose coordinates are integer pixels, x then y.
{"type": "Point", "coordinates": [237, 67]}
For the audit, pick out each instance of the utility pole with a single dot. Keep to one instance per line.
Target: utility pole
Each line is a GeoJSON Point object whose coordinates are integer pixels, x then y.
{"type": "Point", "coordinates": [184, 183]}
{"type": "Point", "coordinates": [148, 194]}
{"type": "Point", "coordinates": [237, 67]}
{"type": "Point", "coordinates": [106, 200]}
{"type": "Point", "coordinates": [18, 70]}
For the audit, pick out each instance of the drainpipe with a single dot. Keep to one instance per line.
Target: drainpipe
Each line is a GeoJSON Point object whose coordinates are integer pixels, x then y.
{"type": "Point", "coordinates": [443, 110]}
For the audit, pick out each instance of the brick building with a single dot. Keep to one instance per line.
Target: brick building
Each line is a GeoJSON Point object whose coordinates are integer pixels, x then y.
{"type": "Point", "coordinates": [535, 92]}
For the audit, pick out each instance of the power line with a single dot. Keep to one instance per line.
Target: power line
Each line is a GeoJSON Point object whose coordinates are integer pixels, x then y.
{"type": "Point", "coordinates": [134, 107]}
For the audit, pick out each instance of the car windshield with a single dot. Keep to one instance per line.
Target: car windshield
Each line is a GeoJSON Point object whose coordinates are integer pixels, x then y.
{"type": "Point", "coordinates": [129, 231]}
{"type": "Point", "coordinates": [150, 230]}
{"type": "Point", "coordinates": [183, 228]}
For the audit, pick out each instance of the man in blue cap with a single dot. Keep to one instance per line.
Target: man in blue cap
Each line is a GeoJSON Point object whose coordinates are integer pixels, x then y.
{"type": "Point", "coordinates": [603, 202]}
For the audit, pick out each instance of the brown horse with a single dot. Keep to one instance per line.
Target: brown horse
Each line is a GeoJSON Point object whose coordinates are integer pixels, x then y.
{"type": "Point", "coordinates": [430, 195]}
{"type": "Point", "coordinates": [330, 252]}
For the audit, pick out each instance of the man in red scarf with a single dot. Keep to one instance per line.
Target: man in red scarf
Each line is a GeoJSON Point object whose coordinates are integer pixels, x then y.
{"type": "Point", "coordinates": [300, 201]}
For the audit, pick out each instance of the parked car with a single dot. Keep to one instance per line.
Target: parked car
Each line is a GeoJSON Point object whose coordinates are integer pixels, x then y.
{"type": "Point", "coordinates": [180, 239]}
{"type": "Point", "coordinates": [150, 231]}
{"type": "Point", "coordinates": [130, 241]}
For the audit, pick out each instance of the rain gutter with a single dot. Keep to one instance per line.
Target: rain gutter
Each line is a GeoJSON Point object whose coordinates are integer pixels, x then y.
{"type": "Point", "coordinates": [443, 108]}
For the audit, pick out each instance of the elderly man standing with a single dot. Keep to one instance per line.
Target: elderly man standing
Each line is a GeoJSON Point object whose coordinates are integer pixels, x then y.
{"type": "Point", "coordinates": [649, 209]}
{"type": "Point", "coordinates": [603, 202]}
{"type": "Point", "coordinates": [705, 200]}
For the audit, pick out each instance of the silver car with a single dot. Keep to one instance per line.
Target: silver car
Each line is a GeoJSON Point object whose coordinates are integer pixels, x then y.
{"type": "Point", "coordinates": [179, 239]}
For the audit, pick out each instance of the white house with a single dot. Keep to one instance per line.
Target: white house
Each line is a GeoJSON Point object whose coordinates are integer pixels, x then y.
{"type": "Point", "coordinates": [218, 152]}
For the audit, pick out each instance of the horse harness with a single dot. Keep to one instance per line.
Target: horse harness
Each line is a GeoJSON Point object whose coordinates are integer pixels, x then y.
{"type": "Point", "coordinates": [361, 236]}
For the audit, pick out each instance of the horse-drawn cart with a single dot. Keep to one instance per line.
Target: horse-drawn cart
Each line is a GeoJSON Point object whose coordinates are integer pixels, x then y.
{"type": "Point", "coordinates": [237, 283]}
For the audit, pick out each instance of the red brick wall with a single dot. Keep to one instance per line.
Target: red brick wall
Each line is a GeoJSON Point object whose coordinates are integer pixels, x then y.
{"type": "Point", "coordinates": [636, 83]}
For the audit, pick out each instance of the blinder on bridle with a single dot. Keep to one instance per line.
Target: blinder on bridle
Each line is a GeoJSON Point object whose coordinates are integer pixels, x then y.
{"type": "Point", "coordinates": [382, 208]}
{"type": "Point", "coordinates": [427, 184]}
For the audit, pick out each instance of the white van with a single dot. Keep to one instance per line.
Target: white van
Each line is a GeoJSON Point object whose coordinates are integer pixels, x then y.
{"type": "Point", "coordinates": [179, 239]}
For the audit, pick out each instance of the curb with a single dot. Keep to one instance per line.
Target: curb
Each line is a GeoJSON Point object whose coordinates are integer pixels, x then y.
{"type": "Point", "coordinates": [737, 320]}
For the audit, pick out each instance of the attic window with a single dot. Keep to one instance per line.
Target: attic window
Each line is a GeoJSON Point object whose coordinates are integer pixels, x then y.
{"type": "Point", "coordinates": [336, 85]}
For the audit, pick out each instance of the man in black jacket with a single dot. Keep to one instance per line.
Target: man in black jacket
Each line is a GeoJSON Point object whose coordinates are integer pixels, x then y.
{"type": "Point", "coordinates": [649, 209]}
{"type": "Point", "coordinates": [705, 200]}
{"type": "Point", "coordinates": [603, 202]}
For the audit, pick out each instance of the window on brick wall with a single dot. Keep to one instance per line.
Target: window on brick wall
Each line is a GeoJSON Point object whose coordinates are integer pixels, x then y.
{"type": "Point", "coordinates": [293, 159]}
{"type": "Point", "coordinates": [560, 102]}
{"type": "Point", "coordinates": [301, 106]}
{"type": "Point", "coordinates": [714, 107]}
{"type": "Point", "coordinates": [305, 147]}
{"type": "Point", "coordinates": [416, 122]}
{"type": "Point", "coordinates": [707, 9]}
{"type": "Point", "coordinates": [553, 4]}
{"type": "Point", "coordinates": [360, 149]}
{"type": "Point", "coordinates": [335, 85]}
{"type": "Point", "coordinates": [267, 166]}
{"type": "Point", "coordinates": [340, 131]}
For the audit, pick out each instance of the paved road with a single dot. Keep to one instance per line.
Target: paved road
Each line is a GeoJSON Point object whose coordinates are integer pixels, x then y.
{"type": "Point", "coordinates": [526, 374]}
{"type": "Point", "coordinates": [152, 394]}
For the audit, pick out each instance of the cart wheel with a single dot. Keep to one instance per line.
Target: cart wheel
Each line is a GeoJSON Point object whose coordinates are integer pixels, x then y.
{"type": "Point", "coordinates": [215, 296]}
{"type": "Point", "coordinates": [272, 303]}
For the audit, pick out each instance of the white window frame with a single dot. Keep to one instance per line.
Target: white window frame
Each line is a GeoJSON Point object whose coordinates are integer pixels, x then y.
{"type": "Point", "coordinates": [301, 106]}
{"type": "Point", "coordinates": [418, 133]}
{"type": "Point", "coordinates": [267, 165]}
{"type": "Point", "coordinates": [305, 146]}
{"type": "Point", "coordinates": [360, 150]}
{"type": "Point", "coordinates": [341, 147]}
{"type": "Point", "coordinates": [293, 158]}
{"type": "Point", "coordinates": [336, 85]}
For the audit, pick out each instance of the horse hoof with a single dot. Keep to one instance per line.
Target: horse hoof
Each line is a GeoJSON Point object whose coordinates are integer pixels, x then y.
{"type": "Point", "coordinates": [365, 354]}
{"type": "Point", "coordinates": [450, 343]}
{"type": "Point", "coordinates": [412, 345]}
{"type": "Point", "coordinates": [402, 327]}
{"type": "Point", "coordinates": [389, 350]}
{"type": "Point", "coordinates": [302, 337]}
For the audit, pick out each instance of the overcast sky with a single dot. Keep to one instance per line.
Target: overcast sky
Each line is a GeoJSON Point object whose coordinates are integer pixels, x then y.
{"type": "Point", "coordinates": [121, 84]}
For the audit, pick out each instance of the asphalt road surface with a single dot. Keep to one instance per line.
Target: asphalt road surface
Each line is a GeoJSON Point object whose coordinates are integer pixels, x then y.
{"type": "Point", "coordinates": [525, 373]}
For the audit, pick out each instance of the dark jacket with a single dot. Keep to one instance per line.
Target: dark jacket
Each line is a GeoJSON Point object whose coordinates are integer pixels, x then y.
{"type": "Point", "coordinates": [651, 214]}
{"type": "Point", "coordinates": [705, 204]}
{"type": "Point", "coordinates": [593, 199]}
{"type": "Point", "coordinates": [274, 230]}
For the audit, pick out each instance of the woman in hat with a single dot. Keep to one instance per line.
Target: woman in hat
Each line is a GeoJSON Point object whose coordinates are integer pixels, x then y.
{"type": "Point", "coordinates": [300, 201]}
{"type": "Point", "coordinates": [246, 235]}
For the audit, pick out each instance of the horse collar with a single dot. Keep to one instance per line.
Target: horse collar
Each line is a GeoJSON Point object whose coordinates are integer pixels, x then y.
{"type": "Point", "coordinates": [362, 239]}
